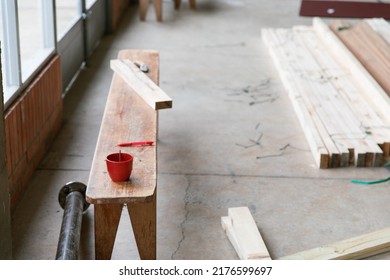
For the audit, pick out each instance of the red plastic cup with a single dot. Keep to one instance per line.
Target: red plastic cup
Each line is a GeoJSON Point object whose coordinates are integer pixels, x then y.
{"type": "Point", "coordinates": [119, 166]}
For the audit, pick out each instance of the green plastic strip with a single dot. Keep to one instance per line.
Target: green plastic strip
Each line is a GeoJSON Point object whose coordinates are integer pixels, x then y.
{"type": "Point", "coordinates": [387, 164]}
{"type": "Point", "coordinates": [370, 182]}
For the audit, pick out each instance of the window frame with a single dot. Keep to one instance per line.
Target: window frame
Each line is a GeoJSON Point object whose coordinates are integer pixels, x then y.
{"type": "Point", "coordinates": [16, 77]}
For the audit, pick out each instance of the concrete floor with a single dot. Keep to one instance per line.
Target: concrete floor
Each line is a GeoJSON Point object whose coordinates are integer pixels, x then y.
{"type": "Point", "coordinates": [231, 139]}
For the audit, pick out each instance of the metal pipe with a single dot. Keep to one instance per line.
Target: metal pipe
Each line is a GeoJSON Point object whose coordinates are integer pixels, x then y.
{"type": "Point", "coordinates": [72, 199]}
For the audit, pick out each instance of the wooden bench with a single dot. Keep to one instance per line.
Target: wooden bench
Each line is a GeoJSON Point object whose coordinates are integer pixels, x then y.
{"type": "Point", "coordinates": [126, 118]}
{"type": "Point", "coordinates": [144, 4]}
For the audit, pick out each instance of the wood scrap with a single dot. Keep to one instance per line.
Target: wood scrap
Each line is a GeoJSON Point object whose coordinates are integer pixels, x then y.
{"type": "Point", "coordinates": [141, 84]}
{"type": "Point", "coordinates": [380, 26]}
{"type": "Point", "coordinates": [340, 118]}
{"type": "Point", "coordinates": [355, 248]}
{"type": "Point", "coordinates": [244, 235]}
{"type": "Point", "coordinates": [368, 46]}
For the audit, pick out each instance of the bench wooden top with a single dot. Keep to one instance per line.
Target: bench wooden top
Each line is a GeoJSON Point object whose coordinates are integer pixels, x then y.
{"type": "Point", "coordinates": [127, 118]}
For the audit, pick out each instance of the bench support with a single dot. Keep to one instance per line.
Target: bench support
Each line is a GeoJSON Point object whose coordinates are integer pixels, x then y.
{"type": "Point", "coordinates": [144, 9]}
{"type": "Point", "coordinates": [143, 221]}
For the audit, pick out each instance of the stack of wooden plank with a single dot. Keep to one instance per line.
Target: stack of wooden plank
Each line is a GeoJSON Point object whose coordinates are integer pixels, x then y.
{"type": "Point", "coordinates": [343, 111]}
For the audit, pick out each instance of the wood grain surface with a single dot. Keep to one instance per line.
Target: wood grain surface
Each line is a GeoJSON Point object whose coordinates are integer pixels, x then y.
{"type": "Point", "coordinates": [126, 118]}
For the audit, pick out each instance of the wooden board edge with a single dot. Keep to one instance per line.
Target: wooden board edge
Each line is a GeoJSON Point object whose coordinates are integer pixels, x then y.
{"type": "Point", "coordinates": [248, 247]}
{"type": "Point", "coordinates": [358, 247]}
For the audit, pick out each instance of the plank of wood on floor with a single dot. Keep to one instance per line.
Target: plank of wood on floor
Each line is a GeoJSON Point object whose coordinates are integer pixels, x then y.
{"type": "Point", "coordinates": [244, 235]}
{"type": "Point", "coordinates": [375, 98]}
{"type": "Point", "coordinates": [346, 101]}
{"type": "Point", "coordinates": [355, 248]}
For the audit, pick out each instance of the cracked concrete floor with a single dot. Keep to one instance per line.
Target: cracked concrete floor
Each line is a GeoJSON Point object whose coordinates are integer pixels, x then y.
{"type": "Point", "coordinates": [231, 139]}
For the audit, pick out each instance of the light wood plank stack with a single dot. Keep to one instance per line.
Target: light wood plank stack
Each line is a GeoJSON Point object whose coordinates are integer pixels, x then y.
{"type": "Point", "coordinates": [344, 113]}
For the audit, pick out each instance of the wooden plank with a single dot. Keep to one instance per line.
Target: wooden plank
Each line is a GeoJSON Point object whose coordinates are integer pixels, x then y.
{"type": "Point", "coordinates": [359, 247]}
{"type": "Point", "coordinates": [244, 234]}
{"type": "Point", "coordinates": [127, 111]}
{"type": "Point", "coordinates": [363, 45]}
{"type": "Point", "coordinates": [380, 26]}
{"type": "Point", "coordinates": [141, 84]}
{"type": "Point", "coordinates": [346, 8]}
{"type": "Point", "coordinates": [305, 115]}
{"type": "Point", "coordinates": [377, 43]}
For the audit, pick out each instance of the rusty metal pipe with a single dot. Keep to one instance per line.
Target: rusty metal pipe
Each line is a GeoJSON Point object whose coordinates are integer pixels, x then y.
{"type": "Point", "coordinates": [72, 199]}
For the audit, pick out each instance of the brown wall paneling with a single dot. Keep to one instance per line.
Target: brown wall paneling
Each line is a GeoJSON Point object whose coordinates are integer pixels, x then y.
{"type": "Point", "coordinates": [31, 124]}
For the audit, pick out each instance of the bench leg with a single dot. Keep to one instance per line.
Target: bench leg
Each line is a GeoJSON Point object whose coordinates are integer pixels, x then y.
{"type": "Point", "coordinates": [193, 4]}
{"type": "Point", "coordinates": [107, 218]}
{"type": "Point", "coordinates": [143, 220]}
{"type": "Point", "coordinates": [177, 4]}
{"type": "Point", "coordinates": [158, 9]}
{"type": "Point", "coordinates": [143, 8]}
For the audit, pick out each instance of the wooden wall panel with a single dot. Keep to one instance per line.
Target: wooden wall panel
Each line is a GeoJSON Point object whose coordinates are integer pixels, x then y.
{"type": "Point", "coordinates": [5, 213]}
{"type": "Point", "coordinates": [30, 125]}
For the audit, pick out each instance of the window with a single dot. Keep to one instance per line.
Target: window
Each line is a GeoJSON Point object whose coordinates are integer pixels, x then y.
{"type": "Point", "coordinates": [32, 30]}
{"type": "Point", "coordinates": [10, 48]}
{"type": "Point", "coordinates": [28, 39]}
{"type": "Point", "coordinates": [67, 12]}
{"type": "Point", "coordinates": [36, 33]}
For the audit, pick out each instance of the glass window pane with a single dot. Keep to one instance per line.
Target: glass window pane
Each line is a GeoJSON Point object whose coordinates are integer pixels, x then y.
{"type": "Point", "coordinates": [3, 71]}
{"type": "Point", "coordinates": [9, 49]}
{"type": "Point", "coordinates": [89, 3]}
{"type": "Point", "coordinates": [32, 28]}
{"type": "Point", "coordinates": [67, 13]}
